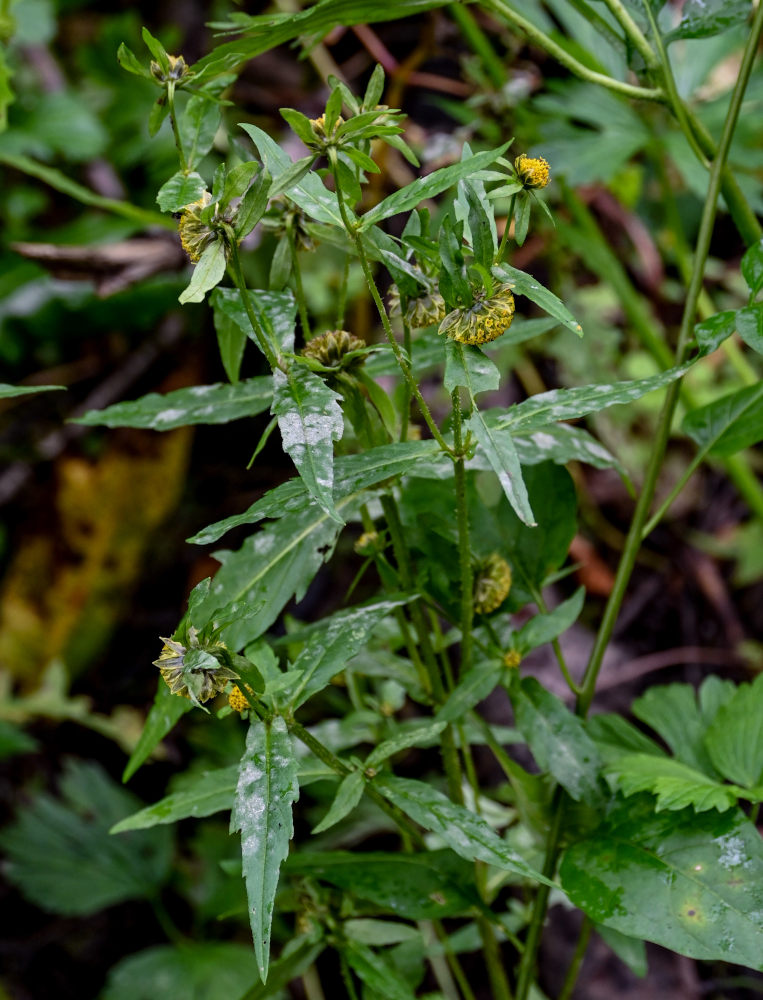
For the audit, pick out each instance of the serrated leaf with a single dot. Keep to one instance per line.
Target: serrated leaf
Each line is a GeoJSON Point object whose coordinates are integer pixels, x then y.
{"type": "Point", "coordinates": [734, 739]}
{"type": "Point", "coordinates": [198, 125]}
{"type": "Point", "coordinates": [531, 288]}
{"type": "Point", "coordinates": [278, 309]}
{"type": "Point", "coordinates": [199, 404]}
{"type": "Point", "coordinates": [557, 739]}
{"type": "Point", "coordinates": [432, 184]}
{"type": "Point", "coordinates": [266, 790]}
{"type": "Point", "coordinates": [417, 886]}
{"type": "Point", "coordinates": [349, 793]}
{"type": "Point", "coordinates": [569, 404]}
{"type": "Point", "coordinates": [352, 473]}
{"type": "Point", "coordinates": [9, 391]}
{"type": "Point", "coordinates": [467, 365]}
{"type": "Point", "coordinates": [752, 267]}
{"type": "Point", "coordinates": [310, 420]}
{"type": "Point", "coordinates": [615, 737]}
{"type": "Point", "coordinates": [498, 447]}
{"type": "Point", "coordinates": [750, 326]}
{"type": "Point", "coordinates": [202, 794]}
{"type": "Point", "coordinates": [164, 714]}
{"type": "Point", "coordinates": [209, 272]}
{"type": "Point", "coordinates": [463, 831]}
{"type": "Point", "coordinates": [544, 628]}
{"type": "Point", "coordinates": [338, 638]}
{"type": "Point", "coordinates": [60, 854]}
{"type": "Point", "coordinates": [418, 736]}
{"type": "Point", "coordinates": [180, 190]}
{"type": "Point", "coordinates": [729, 424]}
{"type": "Point", "coordinates": [676, 785]}
{"type": "Point", "coordinates": [474, 687]}
{"type": "Point", "coordinates": [689, 882]}
{"type": "Point", "coordinates": [212, 970]}
{"type": "Point", "coordinates": [378, 974]}
{"type": "Point", "coordinates": [672, 711]}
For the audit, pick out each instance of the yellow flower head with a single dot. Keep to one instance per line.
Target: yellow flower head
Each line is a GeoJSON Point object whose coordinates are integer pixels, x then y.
{"type": "Point", "coordinates": [236, 700]}
{"type": "Point", "coordinates": [512, 659]}
{"type": "Point", "coordinates": [485, 320]}
{"type": "Point", "coordinates": [195, 235]}
{"type": "Point", "coordinates": [491, 584]}
{"type": "Point", "coordinates": [533, 171]}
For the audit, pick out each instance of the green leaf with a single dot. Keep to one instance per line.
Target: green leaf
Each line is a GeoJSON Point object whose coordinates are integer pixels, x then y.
{"type": "Point", "coordinates": [202, 794]}
{"type": "Point", "coordinates": [463, 831]}
{"type": "Point", "coordinates": [672, 711]}
{"type": "Point", "coordinates": [9, 391]}
{"type": "Point", "coordinates": [349, 793]}
{"type": "Point", "coordinates": [557, 739]}
{"type": "Point", "coordinates": [676, 785]}
{"type": "Point", "coordinates": [267, 788]}
{"type": "Point", "coordinates": [467, 365]}
{"type": "Point", "coordinates": [310, 420]}
{"type": "Point", "coordinates": [729, 424]}
{"type": "Point", "coordinates": [418, 736]}
{"type": "Point", "coordinates": [199, 404]}
{"type": "Point", "coordinates": [424, 886]}
{"type": "Point", "coordinates": [291, 176]}
{"type": "Point", "coordinates": [130, 62]}
{"type": "Point", "coordinates": [279, 309]}
{"type": "Point", "coordinates": [531, 288]}
{"type": "Point", "coordinates": [159, 111]}
{"type": "Point", "coordinates": [522, 208]}
{"type": "Point", "coordinates": [498, 447]}
{"type": "Point", "coordinates": [569, 404]}
{"type": "Point", "coordinates": [615, 737]}
{"type": "Point", "coordinates": [163, 716]}
{"type": "Point", "coordinates": [156, 49]}
{"type": "Point", "coordinates": [734, 739]}
{"type": "Point", "coordinates": [253, 205]}
{"type": "Point", "coordinates": [352, 473]}
{"type": "Point", "coordinates": [295, 959]}
{"type": "Point", "coordinates": [14, 740]}
{"type": "Point", "coordinates": [711, 333]}
{"type": "Point", "coordinates": [703, 18]}
{"type": "Point", "coordinates": [752, 267]}
{"type": "Point", "coordinates": [212, 970]}
{"type": "Point", "coordinates": [561, 443]}
{"type": "Point", "coordinates": [209, 272]}
{"type": "Point", "coordinates": [60, 853]}
{"type": "Point", "coordinates": [380, 932]}
{"type": "Point", "coordinates": [433, 184]}
{"type": "Point", "coordinates": [547, 627]}
{"type": "Point", "coordinates": [231, 340]}
{"type": "Point", "coordinates": [338, 638]}
{"type": "Point", "coordinates": [378, 974]}
{"type": "Point", "coordinates": [689, 882]}
{"type": "Point", "coordinates": [474, 687]}
{"type": "Point", "coordinates": [198, 126]}
{"type": "Point", "coordinates": [750, 326]}
{"type": "Point", "coordinates": [298, 123]}
{"type": "Point", "coordinates": [481, 223]}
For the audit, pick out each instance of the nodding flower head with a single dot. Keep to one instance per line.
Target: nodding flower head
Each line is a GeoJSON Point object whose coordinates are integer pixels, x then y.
{"type": "Point", "coordinates": [237, 699]}
{"type": "Point", "coordinates": [484, 320]}
{"type": "Point", "coordinates": [533, 171]}
{"type": "Point", "coordinates": [195, 235]}
{"type": "Point", "coordinates": [492, 584]}
{"type": "Point", "coordinates": [194, 671]}
{"type": "Point", "coordinates": [423, 310]}
{"type": "Point", "coordinates": [177, 71]}
{"type": "Point", "coordinates": [284, 215]}
{"type": "Point", "coordinates": [331, 349]}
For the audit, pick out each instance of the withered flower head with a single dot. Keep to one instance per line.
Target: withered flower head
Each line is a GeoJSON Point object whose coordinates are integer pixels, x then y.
{"type": "Point", "coordinates": [486, 319]}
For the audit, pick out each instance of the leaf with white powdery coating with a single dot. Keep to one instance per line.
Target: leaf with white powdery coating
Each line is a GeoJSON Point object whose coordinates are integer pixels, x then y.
{"type": "Point", "coordinates": [267, 788]}
{"type": "Point", "coordinates": [467, 365]}
{"type": "Point", "coordinates": [310, 420]}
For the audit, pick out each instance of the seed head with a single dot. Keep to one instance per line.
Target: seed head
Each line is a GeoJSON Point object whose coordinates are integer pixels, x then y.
{"type": "Point", "coordinates": [237, 700]}
{"type": "Point", "coordinates": [178, 69]}
{"type": "Point", "coordinates": [422, 311]}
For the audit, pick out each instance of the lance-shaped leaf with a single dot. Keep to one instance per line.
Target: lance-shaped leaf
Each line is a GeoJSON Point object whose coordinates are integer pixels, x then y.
{"type": "Point", "coordinates": [463, 831]}
{"type": "Point", "coordinates": [164, 714]}
{"type": "Point", "coordinates": [9, 391]}
{"type": "Point", "coordinates": [427, 187]}
{"type": "Point", "coordinates": [729, 424]}
{"type": "Point", "coordinates": [704, 18]}
{"type": "Point", "coordinates": [467, 365]}
{"type": "Point", "coordinates": [547, 627]}
{"type": "Point", "coordinates": [689, 882]}
{"type": "Point", "coordinates": [201, 795]}
{"type": "Point", "coordinates": [278, 309]}
{"type": "Point", "coordinates": [198, 125]}
{"type": "Point", "coordinates": [474, 686]}
{"type": "Point", "coordinates": [347, 796]}
{"type": "Point", "coordinates": [267, 788]}
{"type": "Point", "coordinates": [376, 972]}
{"type": "Point", "coordinates": [498, 447]}
{"type": "Point", "coordinates": [750, 326]}
{"type": "Point", "coordinates": [198, 404]}
{"type": "Point", "coordinates": [524, 284]}
{"type": "Point", "coordinates": [310, 420]}
{"type": "Point", "coordinates": [425, 735]}
{"type": "Point", "coordinates": [332, 644]}
{"type": "Point", "coordinates": [561, 443]}
{"type": "Point", "coordinates": [207, 273]}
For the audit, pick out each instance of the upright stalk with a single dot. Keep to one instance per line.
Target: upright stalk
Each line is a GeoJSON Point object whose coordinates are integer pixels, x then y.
{"type": "Point", "coordinates": [464, 548]}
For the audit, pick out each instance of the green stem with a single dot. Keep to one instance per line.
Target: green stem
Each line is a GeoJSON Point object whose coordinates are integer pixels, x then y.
{"type": "Point", "coordinates": [506, 228]}
{"type": "Point", "coordinates": [577, 959]}
{"type": "Point", "coordinates": [688, 472]}
{"type": "Point", "coordinates": [543, 608]}
{"type": "Point", "coordinates": [341, 306]}
{"type": "Point", "coordinates": [347, 978]}
{"type": "Point", "coordinates": [301, 301]}
{"type": "Point", "coordinates": [633, 541]}
{"type": "Point", "coordinates": [263, 341]}
{"type": "Point", "coordinates": [633, 32]}
{"type": "Point", "coordinates": [175, 130]}
{"type": "Point", "coordinates": [464, 548]}
{"type": "Point", "coordinates": [405, 418]}
{"type": "Point", "coordinates": [312, 984]}
{"type": "Point", "coordinates": [439, 963]}
{"type": "Point", "coordinates": [565, 59]}
{"type": "Point", "coordinates": [453, 962]}
{"type": "Point", "coordinates": [404, 367]}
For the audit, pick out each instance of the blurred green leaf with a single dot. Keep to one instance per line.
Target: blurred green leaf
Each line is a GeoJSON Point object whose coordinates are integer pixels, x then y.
{"type": "Point", "coordinates": [9, 391]}
{"type": "Point", "coordinates": [163, 715]}
{"type": "Point", "coordinates": [13, 740]}
{"type": "Point", "coordinates": [734, 739]}
{"type": "Point", "coordinates": [544, 628]}
{"type": "Point", "coordinates": [376, 972]}
{"type": "Point", "coordinates": [752, 267]}
{"type": "Point", "coordinates": [424, 735]}
{"type": "Point", "coordinates": [703, 18]}
{"type": "Point", "coordinates": [750, 326]}
{"type": "Point", "coordinates": [561, 443]}
{"type": "Point", "coordinates": [475, 685]}
{"type": "Point", "coordinates": [198, 970]}
{"type": "Point", "coordinates": [467, 365]}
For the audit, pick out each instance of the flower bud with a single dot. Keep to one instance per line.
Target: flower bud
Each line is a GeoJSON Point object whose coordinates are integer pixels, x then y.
{"type": "Point", "coordinates": [485, 320]}
{"type": "Point", "coordinates": [533, 171]}
{"type": "Point", "coordinates": [491, 584]}
{"type": "Point", "coordinates": [511, 659]}
{"type": "Point", "coordinates": [424, 310]}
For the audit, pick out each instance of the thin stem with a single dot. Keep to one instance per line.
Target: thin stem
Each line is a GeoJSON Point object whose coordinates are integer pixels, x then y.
{"type": "Point", "coordinates": [569, 62]}
{"type": "Point", "coordinates": [506, 228]}
{"type": "Point", "coordinates": [633, 541]}
{"type": "Point", "coordinates": [347, 977]}
{"type": "Point", "coordinates": [633, 32]}
{"type": "Point", "coordinates": [453, 962]}
{"type": "Point", "coordinates": [439, 963]}
{"type": "Point", "coordinates": [404, 367]}
{"type": "Point", "coordinates": [464, 547]}
{"type": "Point", "coordinates": [175, 130]}
{"type": "Point", "coordinates": [577, 959]}
{"type": "Point", "coordinates": [301, 301]}
{"type": "Point", "coordinates": [688, 472]}
{"type": "Point", "coordinates": [263, 341]}
{"type": "Point", "coordinates": [543, 608]}
{"type": "Point", "coordinates": [341, 305]}
{"type": "Point", "coordinates": [405, 418]}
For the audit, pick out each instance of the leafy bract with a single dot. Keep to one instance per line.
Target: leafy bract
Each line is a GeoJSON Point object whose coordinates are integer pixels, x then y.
{"type": "Point", "coordinates": [729, 424]}
{"type": "Point", "coordinates": [687, 881]}
{"type": "Point", "coordinates": [62, 858]}
{"type": "Point", "coordinates": [267, 788]}
{"type": "Point", "coordinates": [199, 404]}
{"type": "Point", "coordinates": [463, 831]}
{"type": "Point", "coordinates": [310, 420]}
